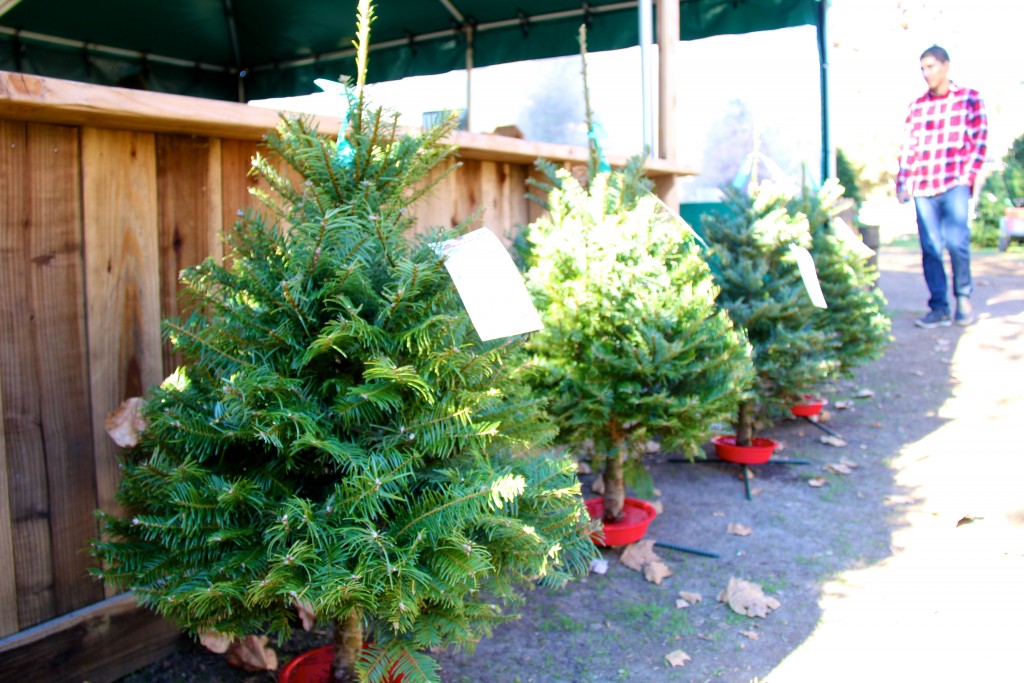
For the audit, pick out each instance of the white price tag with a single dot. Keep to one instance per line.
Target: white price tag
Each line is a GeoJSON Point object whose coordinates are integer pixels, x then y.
{"type": "Point", "coordinates": [846, 235]}
{"type": "Point", "coordinates": [491, 287]}
{"type": "Point", "coordinates": [809, 275]}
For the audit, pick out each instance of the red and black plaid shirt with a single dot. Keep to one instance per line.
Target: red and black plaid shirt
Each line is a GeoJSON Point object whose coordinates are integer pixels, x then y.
{"type": "Point", "coordinates": [944, 143]}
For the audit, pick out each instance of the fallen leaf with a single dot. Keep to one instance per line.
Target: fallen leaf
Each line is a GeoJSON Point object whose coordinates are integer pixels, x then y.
{"type": "Point", "coordinates": [599, 566]}
{"type": "Point", "coordinates": [655, 572]}
{"type": "Point", "coordinates": [832, 441]}
{"type": "Point", "coordinates": [215, 642]}
{"type": "Point", "coordinates": [838, 468]}
{"type": "Point", "coordinates": [718, 513]}
{"type": "Point", "coordinates": [692, 598]}
{"type": "Point", "coordinates": [864, 393]}
{"type": "Point", "coordinates": [842, 405]}
{"type": "Point", "coordinates": [817, 482]}
{"type": "Point", "coordinates": [753, 635]}
{"type": "Point", "coordinates": [917, 373]}
{"type": "Point", "coordinates": [597, 486]}
{"type": "Point", "coordinates": [738, 530]}
{"type": "Point", "coordinates": [757, 490]}
{"type": "Point", "coordinates": [849, 463]}
{"type": "Point", "coordinates": [652, 446]}
{"type": "Point", "coordinates": [877, 425]}
{"type": "Point", "coordinates": [583, 467]}
{"type": "Point", "coordinates": [747, 598]}
{"type": "Point", "coordinates": [124, 424]}
{"type": "Point", "coordinates": [305, 610]}
{"type": "Point", "coordinates": [658, 506]}
{"type": "Point", "coordinates": [636, 555]}
{"type": "Point", "coordinates": [252, 654]}
{"type": "Point", "coordinates": [677, 658]}
{"type": "Point", "coordinates": [967, 519]}
{"type": "Point", "coordinates": [824, 416]}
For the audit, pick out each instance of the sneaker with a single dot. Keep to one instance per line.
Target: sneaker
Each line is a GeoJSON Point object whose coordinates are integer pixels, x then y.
{"type": "Point", "coordinates": [935, 319]}
{"type": "Point", "coordinates": [964, 313]}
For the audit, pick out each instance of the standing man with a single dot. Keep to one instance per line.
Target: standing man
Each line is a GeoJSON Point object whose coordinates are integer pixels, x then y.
{"type": "Point", "coordinates": [943, 149]}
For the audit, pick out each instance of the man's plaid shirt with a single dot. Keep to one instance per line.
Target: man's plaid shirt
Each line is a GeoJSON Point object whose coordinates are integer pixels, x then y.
{"type": "Point", "coordinates": [944, 143]}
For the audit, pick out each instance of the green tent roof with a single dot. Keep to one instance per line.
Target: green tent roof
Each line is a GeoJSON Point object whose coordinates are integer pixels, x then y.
{"type": "Point", "coordinates": [247, 49]}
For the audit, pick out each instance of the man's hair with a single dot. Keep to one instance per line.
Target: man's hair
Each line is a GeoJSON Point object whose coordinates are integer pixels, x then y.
{"type": "Point", "coordinates": [936, 52]}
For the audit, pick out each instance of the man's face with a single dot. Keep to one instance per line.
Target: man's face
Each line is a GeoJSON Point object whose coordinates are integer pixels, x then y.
{"type": "Point", "coordinates": [934, 73]}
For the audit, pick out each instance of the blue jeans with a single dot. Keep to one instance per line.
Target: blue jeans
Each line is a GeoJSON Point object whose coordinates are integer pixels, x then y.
{"type": "Point", "coordinates": [941, 225]}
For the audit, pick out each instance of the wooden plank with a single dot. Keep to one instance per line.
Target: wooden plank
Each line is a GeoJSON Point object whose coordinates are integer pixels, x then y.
{"type": "Point", "coordinates": [236, 160]}
{"type": "Point", "coordinates": [99, 644]}
{"type": "Point", "coordinates": [23, 431]}
{"type": "Point", "coordinates": [190, 217]}
{"type": "Point", "coordinates": [59, 345]}
{"type": "Point", "coordinates": [119, 201]}
{"type": "Point", "coordinates": [27, 97]}
{"type": "Point", "coordinates": [8, 585]}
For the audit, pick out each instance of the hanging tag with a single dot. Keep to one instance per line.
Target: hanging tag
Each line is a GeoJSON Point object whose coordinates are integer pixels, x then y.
{"type": "Point", "coordinates": [847, 236]}
{"type": "Point", "coordinates": [491, 287]}
{"type": "Point", "coordinates": [809, 275]}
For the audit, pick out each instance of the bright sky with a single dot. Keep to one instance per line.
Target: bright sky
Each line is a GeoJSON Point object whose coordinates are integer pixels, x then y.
{"type": "Point", "coordinates": [874, 73]}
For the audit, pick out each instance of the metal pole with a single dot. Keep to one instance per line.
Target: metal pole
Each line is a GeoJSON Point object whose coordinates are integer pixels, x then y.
{"type": "Point", "coordinates": [470, 38]}
{"type": "Point", "coordinates": [645, 18]}
{"type": "Point", "coordinates": [827, 156]}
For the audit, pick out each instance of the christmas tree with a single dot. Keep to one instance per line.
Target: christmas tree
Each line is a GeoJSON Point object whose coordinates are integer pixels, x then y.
{"type": "Point", "coordinates": [763, 291]}
{"type": "Point", "coordinates": [633, 344]}
{"type": "Point", "coordinates": [340, 441]}
{"type": "Point", "coordinates": [855, 317]}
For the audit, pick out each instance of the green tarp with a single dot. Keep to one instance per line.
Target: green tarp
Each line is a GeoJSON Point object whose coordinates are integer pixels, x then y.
{"type": "Point", "coordinates": [249, 49]}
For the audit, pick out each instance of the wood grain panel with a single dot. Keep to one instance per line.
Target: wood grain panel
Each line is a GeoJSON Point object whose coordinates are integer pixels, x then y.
{"type": "Point", "coordinates": [8, 585]}
{"type": "Point", "coordinates": [236, 160]}
{"type": "Point", "coordinates": [119, 202]}
{"type": "Point", "coordinates": [58, 335]}
{"type": "Point", "coordinates": [23, 430]}
{"type": "Point", "coordinates": [190, 217]}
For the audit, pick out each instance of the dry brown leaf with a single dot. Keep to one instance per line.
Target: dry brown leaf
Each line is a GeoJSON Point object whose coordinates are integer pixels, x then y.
{"type": "Point", "coordinates": [738, 530]}
{"type": "Point", "coordinates": [824, 416]}
{"type": "Point", "coordinates": [305, 610]}
{"type": "Point", "coordinates": [838, 468]}
{"type": "Point", "coordinates": [252, 654]}
{"type": "Point", "coordinates": [124, 424]}
{"type": "Point", "coordinates": [215, 642]}
{"type": "Point", "coordinates": [843, 405]}
{"type": "Point", "coordinates": [677, 658]}
{"type": "Point", "coordinates": [817, 482]}
{"type": "Point", "coordinates": [636, 555]}
{"type": "Point", "coordinates": [753, 635]}
{"type": "Point", "coordinates": [846, 462]}
{"type": "Point", "coordinates": [655, 572]}
{"type": "Point", "coordinates": [583, 467]}
{"type": "Point", "coordinates": [747, 598]}
{"type": "Point", "coordinates": [917, 373]}
{"type": "Point", "coordinates": [692, 598]}
{"type": "Point", "coordinates": [718, 513]}
{"type": "Point", "coordinates": [832, 441]}
{"type": "Point", "coordinates": [652, 446]}
{"type": "Point", "coordinates": [756, 491]}
{"type": "Point", "coordinates": [658, 506]}
{"type": "Point", "coordinates": [597, 486]}
{"type": "Point", "coordinates": [864, 393]}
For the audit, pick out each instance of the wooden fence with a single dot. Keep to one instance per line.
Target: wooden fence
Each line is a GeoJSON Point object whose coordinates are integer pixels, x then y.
{"type": "Point", "coordinates": [105, 195]}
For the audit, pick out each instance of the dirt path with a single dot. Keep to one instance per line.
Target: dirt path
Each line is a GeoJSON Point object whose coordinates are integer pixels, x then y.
{"type": "Point", "coordinates": [880, 574]}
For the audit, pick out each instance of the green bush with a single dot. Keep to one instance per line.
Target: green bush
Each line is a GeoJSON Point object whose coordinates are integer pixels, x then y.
{"type": "Point", "coordinates": [999, 192]}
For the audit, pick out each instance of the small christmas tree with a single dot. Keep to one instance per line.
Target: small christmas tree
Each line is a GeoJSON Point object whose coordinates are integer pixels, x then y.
{"type": "Point", "coordinates": [340, 441]}
{"type": "Point", "coordinates": [634, 344]}
{"type": "Point", "coordinates": [855, 316]}
{"type": "Point", "coordinates": [764, 294]}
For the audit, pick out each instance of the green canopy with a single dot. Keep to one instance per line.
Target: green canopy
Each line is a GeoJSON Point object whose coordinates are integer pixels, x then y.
{"type": "Point", "coordinates": [248, 49]}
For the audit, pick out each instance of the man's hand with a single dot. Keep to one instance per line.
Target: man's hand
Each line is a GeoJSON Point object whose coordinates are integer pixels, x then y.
{"type": "Point", "coordinates": [903, 196]}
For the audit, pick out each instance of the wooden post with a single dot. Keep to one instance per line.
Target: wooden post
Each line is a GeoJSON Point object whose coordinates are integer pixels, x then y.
{"type": "Point", "coordinates": [668, 39]}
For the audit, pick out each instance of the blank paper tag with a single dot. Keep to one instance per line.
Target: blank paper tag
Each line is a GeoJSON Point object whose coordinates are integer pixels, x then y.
{"type": "Point", "coordinates": [809, 275]}
{"type": "Point", "coordinates": [847, 236]}
{"type": "Point", "coordinates": [491, 287]}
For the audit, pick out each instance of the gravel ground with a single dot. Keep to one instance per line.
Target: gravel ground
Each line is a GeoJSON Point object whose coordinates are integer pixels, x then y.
{"type": "Point", "coordinates": [906, 568]}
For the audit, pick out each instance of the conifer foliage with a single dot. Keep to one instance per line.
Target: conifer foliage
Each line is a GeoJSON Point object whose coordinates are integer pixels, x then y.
{"type": "Point", "coordinates": [633, 344]}
{"type": "Point", "coordinates": [765, 295]}
{"type": "Point", "coordinates": [855, 318]}
{"type": "Point", "coordinates": [339, 438]}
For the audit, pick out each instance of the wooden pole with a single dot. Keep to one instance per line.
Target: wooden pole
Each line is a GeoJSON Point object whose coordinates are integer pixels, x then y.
{"type": "Point", "coordinates": [668, 144]}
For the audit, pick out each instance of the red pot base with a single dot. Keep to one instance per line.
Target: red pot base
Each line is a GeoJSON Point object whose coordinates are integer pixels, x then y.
{"type": "Point", "coordinates": [636, 517]}
{"type": "Point", "coordinates": [757, 453]}
{"type": "Point", "coordinates": [810, 407]}
{"type": "Point", "coordinates": [315, 667]}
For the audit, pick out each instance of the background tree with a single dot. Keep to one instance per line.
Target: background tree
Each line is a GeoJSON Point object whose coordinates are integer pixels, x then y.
{"type": "Point", "coordinates": [340, 440]}
{"type": "Point", "coordinates": [1000, 190]}
{"type": "Point", "coordinates": [764, 294]}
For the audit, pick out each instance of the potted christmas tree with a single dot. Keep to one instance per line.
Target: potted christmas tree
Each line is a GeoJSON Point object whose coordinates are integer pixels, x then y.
{"type": "Point", "coordinates": [855, 317]}
{"type": "Point", "coordinates": [763, 291]}
{"type": "Point", "coordinates": [340, 442]}
{"type": "Point", "coordinates": [633, 343]}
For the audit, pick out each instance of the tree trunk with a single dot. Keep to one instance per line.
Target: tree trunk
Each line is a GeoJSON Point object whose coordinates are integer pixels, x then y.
{"type": "Point", "coordinates": [745, 425]}
{"type": "Point", "coordinates": [614, 487]}
{"type": "Point", "coordinates": [348, 641]}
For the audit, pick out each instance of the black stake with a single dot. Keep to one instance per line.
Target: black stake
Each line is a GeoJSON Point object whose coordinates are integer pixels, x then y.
{"type": "Point", "coordinates": [684, 549]}
{"type": "Point", "coordinates": [822, 427]}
